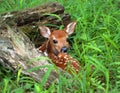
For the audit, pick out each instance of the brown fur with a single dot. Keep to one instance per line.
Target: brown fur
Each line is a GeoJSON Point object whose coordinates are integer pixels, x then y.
{"type": "Point", "coordinates": [53, 50]}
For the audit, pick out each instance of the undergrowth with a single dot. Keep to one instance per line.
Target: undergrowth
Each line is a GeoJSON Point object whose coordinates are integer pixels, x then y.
{"type": "Point", "coordinates": [96, 45]}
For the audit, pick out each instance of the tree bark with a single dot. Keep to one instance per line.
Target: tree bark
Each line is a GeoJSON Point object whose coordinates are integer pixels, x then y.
{"type": "Point", "coordinates": [50, 14]}
{"type": "Point", "coordinates": [39, 15]}
{"type": "Point", "coordinates": [16, 49]}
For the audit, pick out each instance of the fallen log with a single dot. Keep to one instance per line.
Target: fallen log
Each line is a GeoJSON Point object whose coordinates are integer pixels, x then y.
{"type": "Point", "coordinates": [50, 14]}
{"type": "Point", "coordinates": [39, 14]}
{"type": "Point", "coordinates": [16, 49]}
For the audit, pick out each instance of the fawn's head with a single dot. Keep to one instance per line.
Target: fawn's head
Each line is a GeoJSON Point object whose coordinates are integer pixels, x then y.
{"type": "Point", "coordinates": [58, 38]}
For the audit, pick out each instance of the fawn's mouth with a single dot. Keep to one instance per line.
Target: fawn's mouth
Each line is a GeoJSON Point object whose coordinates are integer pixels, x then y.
{"type": "Point", "coordinates": [63, 50]}
{"type": "Point", "coordinates": [55, 51]}
{"type": "Point", "coordinates": [58, 52]}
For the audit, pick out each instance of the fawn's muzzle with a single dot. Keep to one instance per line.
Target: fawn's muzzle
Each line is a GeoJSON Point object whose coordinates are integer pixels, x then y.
{"type": "Point", "coordinates": [64, 49]}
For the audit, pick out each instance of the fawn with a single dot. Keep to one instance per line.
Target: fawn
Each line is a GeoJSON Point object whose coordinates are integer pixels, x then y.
{"type": "Point", "coordinates": [57, 46]}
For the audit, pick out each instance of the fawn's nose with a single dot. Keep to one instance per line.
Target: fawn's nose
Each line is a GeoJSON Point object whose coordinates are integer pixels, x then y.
{"type": "Point", "coordinates": [64, 49]}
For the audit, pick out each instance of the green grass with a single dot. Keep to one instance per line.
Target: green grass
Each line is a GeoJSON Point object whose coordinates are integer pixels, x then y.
{"type": "Point", "coordinates": [96, 45]}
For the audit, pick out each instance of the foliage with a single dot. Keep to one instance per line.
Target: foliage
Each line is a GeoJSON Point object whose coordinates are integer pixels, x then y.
{"type": "Point", "coordinates": [95, 45]}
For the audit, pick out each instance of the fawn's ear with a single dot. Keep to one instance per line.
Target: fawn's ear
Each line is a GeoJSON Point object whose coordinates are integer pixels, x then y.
{"type": "Point", "coordinates": [44, 31]}
{"type": "Point", "coordinates": [70, 27]}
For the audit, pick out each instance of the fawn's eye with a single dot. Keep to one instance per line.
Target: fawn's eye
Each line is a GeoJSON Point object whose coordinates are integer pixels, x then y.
{"type": "Point", "coordinates": [55, 41]}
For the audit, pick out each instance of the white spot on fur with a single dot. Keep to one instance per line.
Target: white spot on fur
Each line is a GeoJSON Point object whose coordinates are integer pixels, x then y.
{"type": "Point", "coordinates": [65, 63]}
{"type": "Point", "coordinates": [60, 62]}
